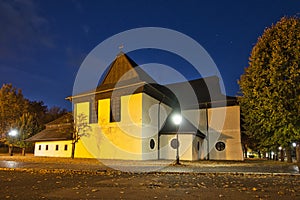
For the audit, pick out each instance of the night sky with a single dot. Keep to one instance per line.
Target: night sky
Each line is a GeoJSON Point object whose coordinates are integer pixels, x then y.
{"type": "Point", "coordinates": [43, 43]}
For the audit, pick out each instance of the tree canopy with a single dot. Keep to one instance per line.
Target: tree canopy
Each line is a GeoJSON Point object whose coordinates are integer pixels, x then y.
{"type": "Point", "coordinates": [25, 116]}
{"type": "Point", "coordinates": [12, 106]}
{"type": "Point", "coordinates": [270, 86]}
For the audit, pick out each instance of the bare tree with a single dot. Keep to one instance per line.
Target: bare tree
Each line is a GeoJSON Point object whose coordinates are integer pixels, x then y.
{"type": "Point", "coordinates": [81, 128]}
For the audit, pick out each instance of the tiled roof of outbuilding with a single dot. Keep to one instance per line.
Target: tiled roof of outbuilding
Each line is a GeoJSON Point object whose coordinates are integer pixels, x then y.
{"type": "Point", "coordinates": [59, 129]}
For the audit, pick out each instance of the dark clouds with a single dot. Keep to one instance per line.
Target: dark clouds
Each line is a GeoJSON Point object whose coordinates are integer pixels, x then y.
{"type": "Point", "coordinates": [22, 29]}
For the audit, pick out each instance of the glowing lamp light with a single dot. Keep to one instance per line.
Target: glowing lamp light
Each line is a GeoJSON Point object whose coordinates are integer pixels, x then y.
{"type": "Point", "coordinates": [280, 148]}
{"type": "Point", "coordinates": [177, 119]}
{"type": "Point", "coordinates": [13, 133]}
{"type": "Point", "coordinates": [294, 144]}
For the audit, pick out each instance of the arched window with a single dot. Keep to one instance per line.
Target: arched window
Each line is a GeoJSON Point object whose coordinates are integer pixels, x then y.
{"type": "Point", "coordinates": [152, 143]}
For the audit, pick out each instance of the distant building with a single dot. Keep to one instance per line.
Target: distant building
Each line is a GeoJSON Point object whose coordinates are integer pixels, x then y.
{"type": "Point", "coordinates": [131, 119]}
{"type": "Point", "coordinates": [56, 139]}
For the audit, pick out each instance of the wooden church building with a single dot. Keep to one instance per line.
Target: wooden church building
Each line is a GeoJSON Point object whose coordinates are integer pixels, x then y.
{"type": "Point", "coordinates": [131, 118]}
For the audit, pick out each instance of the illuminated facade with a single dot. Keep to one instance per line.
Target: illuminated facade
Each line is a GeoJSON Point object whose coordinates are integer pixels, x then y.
{"type": "Point", "coordinates": [129, 115]}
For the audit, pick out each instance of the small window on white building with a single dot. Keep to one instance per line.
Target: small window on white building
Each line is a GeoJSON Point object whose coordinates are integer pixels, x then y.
{"type": "Point", "coordinates": [46, 147]}
{"type": "Point", "coordinates": [40, 147]}
{"type": "Point", "coordinates": [56, 147]}
{"type": "Point", "coordinates": [66, 147]}
{"type": "Point", "coordinates": [198, 146]}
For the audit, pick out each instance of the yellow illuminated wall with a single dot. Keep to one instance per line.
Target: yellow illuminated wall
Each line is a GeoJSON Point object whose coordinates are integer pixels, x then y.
{"type": "Point", "coordinates": [114, 140]}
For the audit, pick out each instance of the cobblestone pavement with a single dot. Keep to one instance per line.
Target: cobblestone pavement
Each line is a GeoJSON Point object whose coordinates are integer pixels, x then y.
{"type": "Point", "coordinates": [248, 166]}
{"type": "Point", "coordinates": [64, 178]}
{"type": "Point", "coordinates": [44, 184]}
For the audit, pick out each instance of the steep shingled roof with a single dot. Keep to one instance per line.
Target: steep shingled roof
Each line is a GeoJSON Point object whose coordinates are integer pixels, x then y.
{"type": "Point", "coordinates": [204, 97]}
{"type": "Point", "coordinates": [125, 69]}
{"type": "Point", "coordinates": [123, 73]}
{"type": "Point", "coordinates": [59, 129]}
{"type": "Point", "coordinates": [125, 77]}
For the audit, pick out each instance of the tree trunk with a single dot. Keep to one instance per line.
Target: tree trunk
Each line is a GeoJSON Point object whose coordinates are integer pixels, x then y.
{"type": "Point", "coordinates": [11, 150]}
{"type": "Point", "coordinates": [259, 154]}
{"type": "Point", "coordinates": [281, 155]}
{"type": "Point", "coordinates": [298, 153]}
{"type": "Point", "coordinates": [23, 151]}
{"type": "Point", "coordinates": [73, 150]}
{"type": "Point", "coordinates": [245, 151]}
{"type": "Point", "coordinates": [288, 154]}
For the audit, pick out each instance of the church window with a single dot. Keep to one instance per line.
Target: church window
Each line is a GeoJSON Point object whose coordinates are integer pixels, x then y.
{"type": "Point", "coordinates": [115, 109]}
{"type": "Point", "coordinates": [152, 144]}
{"type": "Point", "coordinates": [220, 146]}
{"type": "Point", "coordinates": [94, 112]}
{"type": "Point", "coordinates": [174, 143]}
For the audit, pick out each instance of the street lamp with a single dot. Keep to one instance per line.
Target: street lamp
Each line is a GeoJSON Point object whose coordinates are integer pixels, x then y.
{"type": "Point", "coordinates": [177, 119]}
{"type": "Point", "coordinates": [12, 133]}
{"type": "Point", "coordinates": [281, 153]}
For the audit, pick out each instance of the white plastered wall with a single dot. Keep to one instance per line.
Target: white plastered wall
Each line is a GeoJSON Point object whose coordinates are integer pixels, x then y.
{"type": "Point", "coordinates": [151, 110]}
{"type": "Point", "coordinates": [229, 132]}
{"type": "Point", "coordinates": [224, 126]}
{"type": "Point", "coordinates": [40, 148]}
{"type": "Point", "coordinates": [187, 147]}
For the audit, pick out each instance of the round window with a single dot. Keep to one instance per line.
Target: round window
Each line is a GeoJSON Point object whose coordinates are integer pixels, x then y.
{"type": "Point", "coordinates": [152, 143]}
{"type": "Point", "coordinates": [174, 143]}
{"type": "Point", "coordinates": [220, 146]}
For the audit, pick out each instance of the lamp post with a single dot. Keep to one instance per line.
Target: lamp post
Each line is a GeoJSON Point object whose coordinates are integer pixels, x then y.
{"type": "Point", "coordinates": [13, 133]}
{"type": "Point", "coordinates": [294, 150]}
{"type": "Point", "coordinates": [207, 129]}
{"type": "Point", "coordinates": [158, 127]}
{"type": "Point", "coordinates": [177, 119]}
{"type": "Point", "coordinates": [281, 154]}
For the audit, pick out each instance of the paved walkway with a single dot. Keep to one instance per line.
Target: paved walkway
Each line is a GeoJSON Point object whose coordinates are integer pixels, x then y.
{"type": "Point", "coordinates": [93, 165]}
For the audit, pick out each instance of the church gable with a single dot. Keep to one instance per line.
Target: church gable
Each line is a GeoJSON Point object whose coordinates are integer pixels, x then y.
{"type": "Point", "coordinates": [123, 69]}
